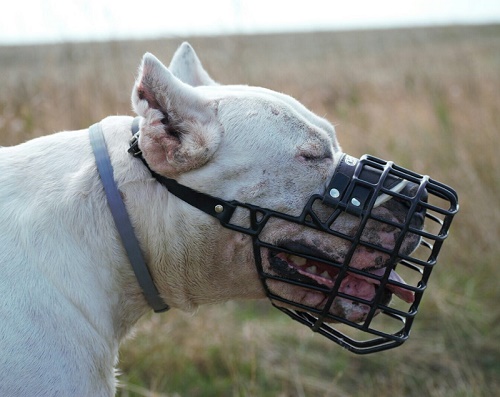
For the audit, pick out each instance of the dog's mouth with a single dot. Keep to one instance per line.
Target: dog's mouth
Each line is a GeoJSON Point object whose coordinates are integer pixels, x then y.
{"type": "Point", "coordinates": [361, 284]}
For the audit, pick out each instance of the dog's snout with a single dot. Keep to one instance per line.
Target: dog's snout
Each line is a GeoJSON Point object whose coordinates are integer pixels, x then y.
{"type": "Point", "coordinates": [412, 190]}
{"type": "Point", "coordinates": [421, 211]}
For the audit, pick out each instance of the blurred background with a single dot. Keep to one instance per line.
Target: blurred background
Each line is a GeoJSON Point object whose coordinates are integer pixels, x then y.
{"type": "Point", "coordinates": [36, 21]}
{"type": "Point", "coordinates": [417, 82]}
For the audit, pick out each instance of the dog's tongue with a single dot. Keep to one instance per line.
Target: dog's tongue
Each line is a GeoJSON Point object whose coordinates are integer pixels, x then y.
{"type": "Point", "coordinates": [402, 293]}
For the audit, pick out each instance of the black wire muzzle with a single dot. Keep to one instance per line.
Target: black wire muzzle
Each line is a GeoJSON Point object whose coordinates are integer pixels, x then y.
{"type": "Point", "coordinates": [356, 188]}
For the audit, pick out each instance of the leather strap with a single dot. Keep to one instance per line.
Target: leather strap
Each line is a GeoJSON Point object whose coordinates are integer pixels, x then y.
{"type": "Point", "coordinates": [213, 206]}
{"type": "Point", "coordinates": [122, 220]}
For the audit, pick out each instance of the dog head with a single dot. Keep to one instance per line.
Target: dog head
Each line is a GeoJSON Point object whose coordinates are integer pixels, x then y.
{"type": "Point", "coordinates": [252, 145]}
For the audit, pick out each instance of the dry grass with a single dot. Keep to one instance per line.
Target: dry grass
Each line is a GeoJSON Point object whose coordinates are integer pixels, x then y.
{"type": "Point", "coordinates": [427, 98]}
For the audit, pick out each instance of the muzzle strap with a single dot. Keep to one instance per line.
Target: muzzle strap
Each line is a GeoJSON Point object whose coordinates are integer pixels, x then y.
{"type": "Point", "coordinates": [355, 199]}
{"type": "Point", "coordinates": [337, 188]}
{"type": "Point", "coordinates": [221, 209]}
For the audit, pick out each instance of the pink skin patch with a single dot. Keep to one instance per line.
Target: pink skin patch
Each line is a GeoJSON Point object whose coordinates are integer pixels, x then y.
{"type": "Point", "coordinates": [353, 284]}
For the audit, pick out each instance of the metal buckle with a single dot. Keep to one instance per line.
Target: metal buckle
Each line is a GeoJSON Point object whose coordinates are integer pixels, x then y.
{"type": "Point", "coordinates": [134, 149]}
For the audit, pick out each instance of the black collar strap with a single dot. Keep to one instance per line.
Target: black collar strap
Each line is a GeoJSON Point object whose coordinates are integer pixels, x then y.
{"type": "Point", "coordinates": [122, 220]}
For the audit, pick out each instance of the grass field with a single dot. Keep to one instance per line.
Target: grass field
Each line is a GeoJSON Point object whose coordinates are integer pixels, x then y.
{"type": "Point", "coordinates": [429, 99]}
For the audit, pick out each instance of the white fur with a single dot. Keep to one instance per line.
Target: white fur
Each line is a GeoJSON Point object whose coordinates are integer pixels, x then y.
{"type": "Point", "coordinates": [68, 294]}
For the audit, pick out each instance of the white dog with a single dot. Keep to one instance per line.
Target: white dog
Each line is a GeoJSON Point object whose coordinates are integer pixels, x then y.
{"type": "Point", "coordinates": [68, 292]}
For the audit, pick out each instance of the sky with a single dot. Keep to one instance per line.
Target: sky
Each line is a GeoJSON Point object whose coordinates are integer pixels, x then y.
{"type": "Point", "coordinates": [45, 21]}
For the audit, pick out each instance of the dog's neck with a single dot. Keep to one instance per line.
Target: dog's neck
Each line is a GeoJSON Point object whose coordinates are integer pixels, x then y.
{"type": "Point", "coordinates": [183, 273]}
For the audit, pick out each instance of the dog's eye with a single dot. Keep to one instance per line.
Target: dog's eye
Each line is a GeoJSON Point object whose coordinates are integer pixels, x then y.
{"type": "Point", "coordinates": [314, 151]}
{"type": "Point", "coordinates": [309, 157]}
{"type": "Point", "coordinates": [315, 157]}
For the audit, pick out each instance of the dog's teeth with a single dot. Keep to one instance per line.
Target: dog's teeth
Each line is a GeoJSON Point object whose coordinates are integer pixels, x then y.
{"type": "Point", "coordinates": [299, 261]}
{"type": "Point", "coordinates": [312, 269]}
{"type": "Point", "coordinates": [326, 275]}
{"type": "Point", "coordinates": [296, 260]}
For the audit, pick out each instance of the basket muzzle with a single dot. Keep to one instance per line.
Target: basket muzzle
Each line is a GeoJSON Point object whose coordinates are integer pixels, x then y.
{"type": "Point", "coordinates": [374, 234]}
{"type": "Point", "coordinates": [350, 294]}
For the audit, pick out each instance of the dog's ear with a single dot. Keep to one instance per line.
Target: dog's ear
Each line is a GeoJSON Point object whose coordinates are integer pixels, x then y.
{"type": "Point", "coordinates": [179, 130]}
{"type": "Point", "coordinates": [186, 66]}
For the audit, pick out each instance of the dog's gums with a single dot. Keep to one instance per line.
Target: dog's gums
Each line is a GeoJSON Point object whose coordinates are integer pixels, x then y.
{"type": "Point", "coordinates": [320, 274]}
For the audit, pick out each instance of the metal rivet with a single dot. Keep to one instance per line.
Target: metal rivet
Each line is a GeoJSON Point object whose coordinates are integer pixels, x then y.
{"type": "Point", "coordinates": [219, 208]}
{"type": "Point", "coordinates": [334, 193]}
{"type": "Point", "coordinates": [350, 160]}
{"type": "Point", "coordinates": [355, 202]}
